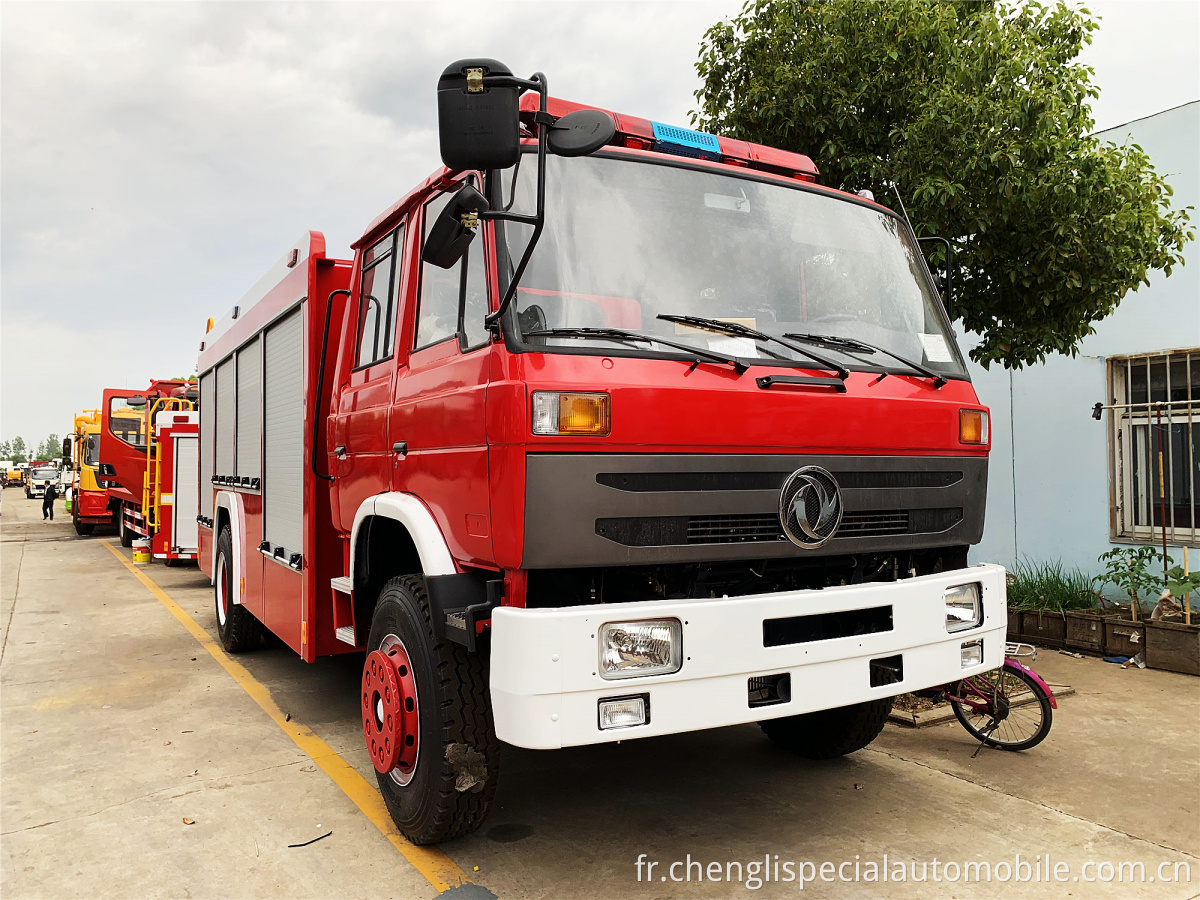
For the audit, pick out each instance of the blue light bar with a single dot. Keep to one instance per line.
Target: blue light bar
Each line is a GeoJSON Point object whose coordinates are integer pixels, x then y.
{"type": "Point", "coordinates": [685, 142]}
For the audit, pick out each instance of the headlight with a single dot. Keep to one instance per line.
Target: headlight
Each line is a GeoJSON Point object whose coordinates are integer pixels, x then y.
{"type": "Point", "coordinates": [570, 413]}
{"type": "Point", "coordinates": [964, 607]}
{"type": "Point", "coordinates": [972, 426]}
{"type": "Point", "coordinates": [629, 649]}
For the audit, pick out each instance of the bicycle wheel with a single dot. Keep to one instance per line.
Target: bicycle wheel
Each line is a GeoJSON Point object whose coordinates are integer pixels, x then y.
{"type": "Point", "coordinates": [1014, 712]}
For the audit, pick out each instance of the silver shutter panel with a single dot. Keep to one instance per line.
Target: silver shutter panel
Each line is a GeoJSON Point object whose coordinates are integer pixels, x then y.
{"type": "Point", "coordinates": [283, 434]}
{"type": "Point", "coordinates": [249, 408]}
{"type": "Point", "coordinates": [208, 419]}
{"type": "Point", "coordinates": [226, 424]}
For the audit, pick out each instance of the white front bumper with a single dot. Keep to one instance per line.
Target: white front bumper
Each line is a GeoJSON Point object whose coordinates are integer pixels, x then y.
{"type": "Point", "coordinates": [545, 687]}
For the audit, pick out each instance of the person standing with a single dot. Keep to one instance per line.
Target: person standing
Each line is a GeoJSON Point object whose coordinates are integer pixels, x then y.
{"type": "Point", "coordinates": [48, 502]}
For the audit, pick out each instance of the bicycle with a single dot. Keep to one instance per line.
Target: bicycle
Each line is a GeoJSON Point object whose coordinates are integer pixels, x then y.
{"type": "Point", "coordinates": [1010, 708]}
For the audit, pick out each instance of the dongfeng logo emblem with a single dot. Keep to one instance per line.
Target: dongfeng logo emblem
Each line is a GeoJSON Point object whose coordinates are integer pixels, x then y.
{"type": "Point", "coordinates": [810, 507]}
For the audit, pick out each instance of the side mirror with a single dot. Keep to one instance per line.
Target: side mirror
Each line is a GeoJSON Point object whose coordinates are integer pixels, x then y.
{"type": "Point", "coordinates": [454, 229]}
{"type": "Point", "coordinates": [479, 115]}
{"type": "Point", "coordinates": [66, 448]}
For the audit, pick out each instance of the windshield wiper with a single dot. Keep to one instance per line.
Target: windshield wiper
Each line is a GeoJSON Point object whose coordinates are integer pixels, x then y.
{"type": "Point", "coordinates": [853, 345]}
{"type": "Point", "coordinates": [735, 329]}
{"type": "Point", "coordinates": [620, 334]}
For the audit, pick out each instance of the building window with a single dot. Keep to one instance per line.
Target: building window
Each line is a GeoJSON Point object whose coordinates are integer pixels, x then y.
{"type": "Point", "coordinates": [1155, 407]}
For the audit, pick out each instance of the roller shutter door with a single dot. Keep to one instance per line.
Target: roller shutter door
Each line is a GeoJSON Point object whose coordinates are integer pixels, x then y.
{"type": "Point", "coordinates": [283, 434]}
{"type": "Point", "coordinates": [226, 423]}
{"type": "Point", "coordinates": [249, 409]}
{"type": "Point", "coordinates": [208, 417]}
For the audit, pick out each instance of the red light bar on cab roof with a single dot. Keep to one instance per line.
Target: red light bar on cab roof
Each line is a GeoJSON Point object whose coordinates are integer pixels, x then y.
{"type": "Point", "coordinates": [638, 134]}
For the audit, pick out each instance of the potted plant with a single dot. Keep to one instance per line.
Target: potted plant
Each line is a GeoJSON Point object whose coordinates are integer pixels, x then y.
{"type": "Point", "coordinates": [1042, 594]}
{"type": "Point", "coordinates": [1172, 640]}
{"type": "Point", "coordinates": [1129, 569]}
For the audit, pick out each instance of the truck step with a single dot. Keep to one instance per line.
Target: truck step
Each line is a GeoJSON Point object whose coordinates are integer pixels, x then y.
{"type": "Point", "coordinates": [345, 634]}
{"type": "Point", "coordinates": [343, 585]}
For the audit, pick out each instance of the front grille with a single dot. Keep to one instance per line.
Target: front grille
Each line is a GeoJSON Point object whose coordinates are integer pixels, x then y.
{"type": "Point", "coordinates": [738, 528]}
{"type": "Point", "coordinates": [660, 482]}
{"type": "Point", "coordinates": [733, 529]}
{"type": "Point", "coordinates": [872, 524]}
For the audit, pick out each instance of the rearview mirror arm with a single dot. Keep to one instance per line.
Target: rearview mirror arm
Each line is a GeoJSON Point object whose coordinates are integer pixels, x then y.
{"type": "Point", "coordinates": [492, 320]}
{"type": "Point", "coordinates": [948, 300]}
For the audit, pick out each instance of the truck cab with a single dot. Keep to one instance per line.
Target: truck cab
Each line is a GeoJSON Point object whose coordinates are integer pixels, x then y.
{"type": "Point", "coordinates": [630, 435]}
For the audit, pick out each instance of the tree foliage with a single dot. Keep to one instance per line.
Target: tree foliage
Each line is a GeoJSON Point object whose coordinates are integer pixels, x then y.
{"type": "Point", "coordinates": [50, 448]}
{"type": "Point", "coordinates": [978, 113]}
{"type": "Point", "coordinates": [14, 450]}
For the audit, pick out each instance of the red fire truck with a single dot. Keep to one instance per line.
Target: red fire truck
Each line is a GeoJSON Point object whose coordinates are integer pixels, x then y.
{"type": "Point", "coordinates": [148, 459]}
{"type": "Point", "coordinates": [608, 429]}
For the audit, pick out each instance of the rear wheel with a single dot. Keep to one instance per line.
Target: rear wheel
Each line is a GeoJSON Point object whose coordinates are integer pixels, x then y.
{"type": "Point", "coordinates": [123, 530]}
{"type": "Point", "coordinates": [237, 628]}
{"type": "Point", "coordinates": [831, 732]}
{"type": "Point", "coordinates": [1006, 709]}
{"type": "Point", "coordinates": [427, 720]}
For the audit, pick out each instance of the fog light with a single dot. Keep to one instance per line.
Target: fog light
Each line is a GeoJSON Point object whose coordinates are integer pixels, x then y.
{"type": "Point", "coordinates": [624, 712]}
{"type": "Point", "coordinates": [964, 609]}
{"type": "Point", "coordinates": [972, 654]}
{"type": "Point", "coordinates": [630, 649]}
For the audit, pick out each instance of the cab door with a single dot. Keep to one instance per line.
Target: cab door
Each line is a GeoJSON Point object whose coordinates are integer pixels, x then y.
{"type": "Point", "coordinates": [438, 419]}
{"type": "Point", "coordinates": [361, 452]}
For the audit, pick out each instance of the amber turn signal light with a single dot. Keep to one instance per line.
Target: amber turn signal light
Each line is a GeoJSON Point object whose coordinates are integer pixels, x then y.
{"type": "Point", "coordinates": [570, 413]}
{"type": "Point", "coordinates": [972, 426]}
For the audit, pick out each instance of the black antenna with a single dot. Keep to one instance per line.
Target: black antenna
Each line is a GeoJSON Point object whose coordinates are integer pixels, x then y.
{"type": "Point", "coordinates": [900, 200]}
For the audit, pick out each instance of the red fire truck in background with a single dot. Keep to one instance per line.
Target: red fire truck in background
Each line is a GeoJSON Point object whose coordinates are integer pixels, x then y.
{"type": "Point", "coordinates": [609, 429]}
{"type": "Point", "coordinates": [148, 457]}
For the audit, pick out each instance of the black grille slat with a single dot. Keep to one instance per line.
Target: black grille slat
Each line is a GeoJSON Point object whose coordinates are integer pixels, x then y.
{"type": "Point", "coordinates": [738, 528]}
{"type": "Point", "coordinates": [665, 482]}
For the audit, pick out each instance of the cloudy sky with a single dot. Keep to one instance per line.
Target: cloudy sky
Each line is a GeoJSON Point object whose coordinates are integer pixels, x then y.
{"type": "Point", "coordinates": [155, 159]}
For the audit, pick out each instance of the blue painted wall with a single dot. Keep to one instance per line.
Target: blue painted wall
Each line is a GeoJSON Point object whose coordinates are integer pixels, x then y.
{"type": "Point", "coordinates": [1048, 478]}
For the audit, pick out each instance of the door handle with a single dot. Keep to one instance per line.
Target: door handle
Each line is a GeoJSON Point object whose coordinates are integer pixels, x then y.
{"type": "Point", "coordinates": [400, 447]}
{"type": "Point", "coordinates": [339, 451]}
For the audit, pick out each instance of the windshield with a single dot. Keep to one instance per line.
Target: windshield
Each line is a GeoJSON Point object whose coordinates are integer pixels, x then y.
{"type": "Point", "coordinates": [91, 450]}
{"type": "Point", "coordinates": [45, 473]}
{"type": "Point", "coordinates": [627, 241]}
{"type": "Point", "coordinates": [128, 422]}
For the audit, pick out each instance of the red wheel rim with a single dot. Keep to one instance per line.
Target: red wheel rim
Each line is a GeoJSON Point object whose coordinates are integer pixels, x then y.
{"type": "Point", "coordinates": [389, 709]}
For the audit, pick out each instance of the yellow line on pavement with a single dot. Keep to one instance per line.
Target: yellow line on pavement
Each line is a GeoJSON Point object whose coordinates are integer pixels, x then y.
{"type": "Point", "coordinates": [441, 871]}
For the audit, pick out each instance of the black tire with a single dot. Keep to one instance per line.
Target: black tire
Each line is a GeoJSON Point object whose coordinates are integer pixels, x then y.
{"type": "Point", "coordinates": [453, 708]}
{"type": "Point", "coordinates": [125, 533]}
{"type": "Point", "coordinates": [1025, 725]}
{"type": "Point", "coordinates": [830, 733]}
{"type": "Point", "coordinates": [238, 629]}
{"type": "Point", "coordinates": [81, 529]}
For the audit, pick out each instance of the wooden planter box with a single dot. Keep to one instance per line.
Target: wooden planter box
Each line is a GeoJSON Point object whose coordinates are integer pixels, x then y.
{"type": "Point", "coordinates": [1123, 637]}
{"type": "Point", "coordinates": [1173, 646]}
{"type": "Point", "coordinates": [1085, 630]}
{"type": "Point", "coordinates": [1014, 625]}
{"type": "Point", "coordinates": [1041, 626]}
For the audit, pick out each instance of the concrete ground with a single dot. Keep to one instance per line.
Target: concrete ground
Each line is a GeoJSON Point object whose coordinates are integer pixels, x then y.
{"type": "Point", "coordinates": [116, 725]}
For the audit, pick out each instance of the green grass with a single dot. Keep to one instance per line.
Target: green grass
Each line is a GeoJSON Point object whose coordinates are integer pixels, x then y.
{"type": "Point", "coordinates": [1047, 585]}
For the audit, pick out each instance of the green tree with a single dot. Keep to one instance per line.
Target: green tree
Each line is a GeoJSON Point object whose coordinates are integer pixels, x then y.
{"type": "Point", "coordinates": [978, 113]}
{"type": "Point", "coordinates": [51, 448]}
{"type": "Point", "coordinates": [17, 451]}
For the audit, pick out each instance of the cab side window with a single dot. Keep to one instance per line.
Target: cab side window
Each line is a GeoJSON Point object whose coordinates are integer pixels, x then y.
{"type": "Point", "coordinates": [453, 301]}
{"type": "Point", "coordinates": [376, 311]}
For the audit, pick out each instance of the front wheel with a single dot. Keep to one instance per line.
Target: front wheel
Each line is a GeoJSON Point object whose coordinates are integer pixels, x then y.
{"type": "Point", "coordinates": [427, 720]}
{"type": "Point", "coordinates": [1005, 709]}
{"type": "Point", "coordinates": [830, 733]}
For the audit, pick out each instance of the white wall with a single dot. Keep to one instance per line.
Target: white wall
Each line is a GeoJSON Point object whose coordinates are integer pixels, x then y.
{"type": "Point", "coordinates": [1048, 476]}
